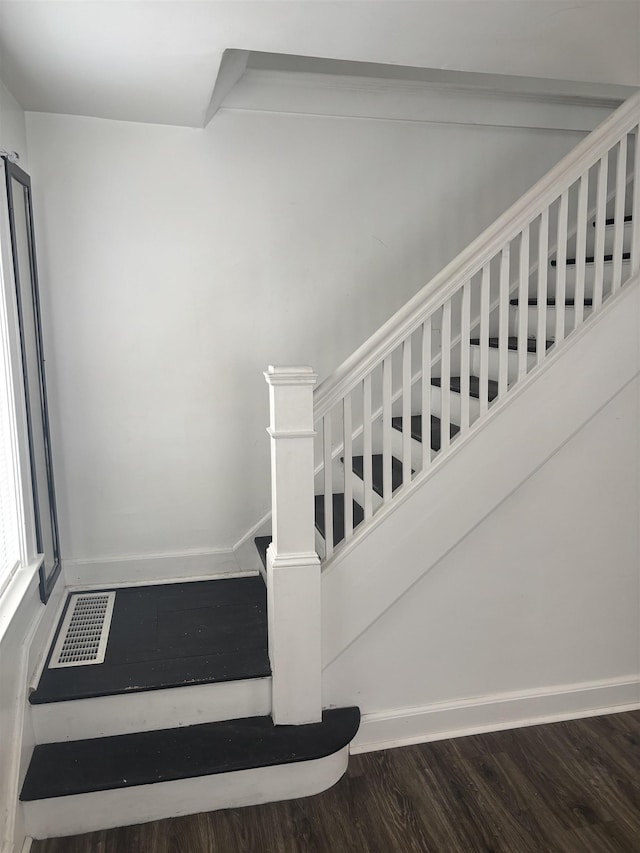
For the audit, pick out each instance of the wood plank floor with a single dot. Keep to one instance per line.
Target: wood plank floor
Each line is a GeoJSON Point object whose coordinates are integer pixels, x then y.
{"type": "Point", "coordinates": [570, 787]}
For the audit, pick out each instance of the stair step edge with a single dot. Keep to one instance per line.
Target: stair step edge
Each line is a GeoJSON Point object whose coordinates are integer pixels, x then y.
{"type": "Point", "coordinates": [123, 761]}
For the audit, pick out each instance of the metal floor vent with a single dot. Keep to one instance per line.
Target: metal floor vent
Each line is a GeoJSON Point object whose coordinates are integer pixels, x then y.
{"type": "Point", "coordinates": [85, 630]}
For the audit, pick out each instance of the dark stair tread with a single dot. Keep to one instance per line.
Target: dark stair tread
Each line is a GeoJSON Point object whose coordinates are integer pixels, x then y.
{"type": "Point", "coordinates": [338, 516]}
{"type": "Point", "coordinates": [416, 429]}
{"type": "Point", "coordinates": [122, 761]}
{"type": "Point", "coordinates": [474, 386]}
{"type": "Point", "coordinates": [626, 256]}
{"type": "Point", "coordinates": [569, 303]}
{"type": "Point", "coordinates": [262, 543]}
{"type": "Point", "coordinates": [512, 343]}
{"type": "Point", "coordinates": [376, 471]}
{"type": "Point", "coordinates": [628, 218]}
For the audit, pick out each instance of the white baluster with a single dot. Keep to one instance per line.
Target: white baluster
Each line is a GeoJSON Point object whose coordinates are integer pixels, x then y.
{"type": "Point", "coordinates": [348, 467]}
{"type": "Point", "coordinates": [327, 458]}
{"type": "Point", "coordinates": [618, 216]}
{"type": "Point", "coordinates": [561, 266]}
{"type": "Point", "coordinates": [387, 482]}
{"type": "Point", "coordinates": [445, 380]}
{"type": "Point", "coordinates": [504, 309]}
{"type": "Point", "coordinates": [426, 394]}
{"type": "Point", "coordinates": [543, 269]}
{"type": "Point", "coordinates": [367, 448]}
{"type": "Point", "coordinates": [406, 411]}
{"type": "Point", "coordinates": [293, 567]}
{"type": "Point", "coordinates": [635, 212]}
{"type": "Point", "coordinates": [601, 214]}
{"type": "Point", "coordinates": [484, 338]}
{"type": "Point", "coordinates": [523, 303]}
{"type": "Point", "coordinates": [465, 335]}
{"type": "Point", "coordinates": [581, 248]}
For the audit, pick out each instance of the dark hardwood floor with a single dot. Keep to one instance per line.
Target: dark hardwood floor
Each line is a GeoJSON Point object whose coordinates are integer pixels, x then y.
{"type": "Point", "coordinates": [569, 787]}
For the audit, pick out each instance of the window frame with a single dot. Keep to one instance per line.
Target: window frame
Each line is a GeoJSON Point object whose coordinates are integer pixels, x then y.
{"type": "Point", "coordinates": [14, 585]}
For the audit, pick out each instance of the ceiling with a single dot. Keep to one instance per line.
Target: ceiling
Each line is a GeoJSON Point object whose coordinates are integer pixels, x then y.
{"type": "Point", "coordinates": [158, 61]}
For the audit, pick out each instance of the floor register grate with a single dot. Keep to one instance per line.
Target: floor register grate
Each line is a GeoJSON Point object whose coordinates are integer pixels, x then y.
{"type": "Point", "coordinates": [85, 630]}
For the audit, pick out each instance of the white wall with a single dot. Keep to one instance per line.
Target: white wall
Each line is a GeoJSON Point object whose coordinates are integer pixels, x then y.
{"type": "Point", "coordinates": [535, 613]}
{"type": "Point", "coordinates": [13, 134]}
{"type": "Point", "coordinates": [177, 264]}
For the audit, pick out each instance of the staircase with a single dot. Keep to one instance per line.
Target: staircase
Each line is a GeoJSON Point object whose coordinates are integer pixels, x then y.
{"type": "Point", "coordinates": [481, 387]}
{"type": "Point", "coordinates": [176, 720]}
{"type": "Point", "coordinates": [234, 729]}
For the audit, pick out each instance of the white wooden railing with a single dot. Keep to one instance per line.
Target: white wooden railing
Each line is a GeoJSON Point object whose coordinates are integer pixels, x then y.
{"type": "Point", "coordinates": [405, 369]}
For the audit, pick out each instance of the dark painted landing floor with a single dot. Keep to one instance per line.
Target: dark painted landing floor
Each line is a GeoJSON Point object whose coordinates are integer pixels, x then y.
{"type": "Point", "coordinates": [172, 635]}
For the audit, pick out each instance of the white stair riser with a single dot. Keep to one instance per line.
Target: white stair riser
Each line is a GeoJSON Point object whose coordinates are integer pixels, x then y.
{"type": "Point", "coordinates": [436, 405]}
{"type": "Point", "coordinates": [609, 236]}
{"type": "Point", "coordinates": [125, 713]}
{"type": "Point", "coordinates": [416, 449]}
{"type": "Point", "coordinates": [81, 813]}
{"type": "Point", "coordinates": [493, 364]}
{"type": "Point", "coordinates": [358, 493]}
{"type": "Point", "coordinates": [589, 278]}
{"type": "Point", "coordinates": [532, 321]}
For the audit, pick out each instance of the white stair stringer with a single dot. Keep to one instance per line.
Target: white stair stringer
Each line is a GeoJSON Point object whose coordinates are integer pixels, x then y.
{"type": "Point", "coordinates": [405, 540]}
{"type": "Point", "coordinates": [79, 813]}
{"type": "Point", "coordinates": [144, 711]}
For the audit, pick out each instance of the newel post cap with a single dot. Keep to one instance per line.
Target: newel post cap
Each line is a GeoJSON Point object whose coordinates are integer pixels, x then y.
{"type": "Point", "coordinates": [290, 375]}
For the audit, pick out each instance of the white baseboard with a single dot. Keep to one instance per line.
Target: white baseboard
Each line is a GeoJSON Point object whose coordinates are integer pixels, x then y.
{"type": "Point", "coordinates": [405, 726]}
{"type": "Point", "coordinates": [245, 552]}
{"type": "Point", "coordinates": [152, 569]}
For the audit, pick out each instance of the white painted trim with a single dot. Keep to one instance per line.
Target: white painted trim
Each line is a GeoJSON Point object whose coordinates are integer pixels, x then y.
{"type": "Point", "coordinates": [45, 633]}
{"type": "Point", "coordinates": [26, 847]}
{"type": "Point", "coordinates": [104, 716]}
{"type": "Point", "coordinates": [347, 96]}
{"type": "Point", "coordinates": [151, 569]}
{"type": "Point", "coordinates": [26, 619]}
{"type": "Point", "coordinates": [496, 712]}
{"type": "Point", "coordinates": [245, 551]}
{"type": "Point", "coordinates": [14, 593]}
{"type": "Point", "coordinates": [142, 803]}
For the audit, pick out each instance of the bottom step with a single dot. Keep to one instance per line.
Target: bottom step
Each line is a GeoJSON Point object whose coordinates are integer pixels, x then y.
{"type": "Point", "coordinates": [82, 786]}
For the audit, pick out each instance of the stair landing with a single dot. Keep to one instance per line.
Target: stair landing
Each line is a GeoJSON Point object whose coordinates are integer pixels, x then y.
{"type": "Point", "coordinates": [172, 635]}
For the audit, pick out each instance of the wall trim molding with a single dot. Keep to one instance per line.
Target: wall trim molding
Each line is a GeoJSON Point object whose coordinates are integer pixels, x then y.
{"type": "Point", "coordinates": [346, 96]}
{"type": "Point", "coordinates": [152, 568]}
{"type": "Point", "coordinates": [21, 634]}
{"type": "Point", "coordinates": [495, 712]}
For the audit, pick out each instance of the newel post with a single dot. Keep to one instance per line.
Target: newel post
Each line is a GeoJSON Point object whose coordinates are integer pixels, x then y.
{"type": "Point", "coordinates": [293, 567]}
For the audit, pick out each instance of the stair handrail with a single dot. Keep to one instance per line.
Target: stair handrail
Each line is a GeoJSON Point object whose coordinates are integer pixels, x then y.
{"type": "Point", "coordinates": [479, 252]}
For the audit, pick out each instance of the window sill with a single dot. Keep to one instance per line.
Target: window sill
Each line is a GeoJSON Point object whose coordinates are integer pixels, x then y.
{"type": "Point", "coordinates": [22, 584]}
